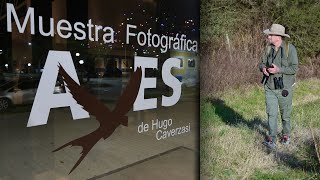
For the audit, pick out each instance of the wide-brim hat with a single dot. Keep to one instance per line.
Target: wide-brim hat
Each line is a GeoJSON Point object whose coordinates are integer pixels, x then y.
{"type": "Point", "coordinates": [276, 29]}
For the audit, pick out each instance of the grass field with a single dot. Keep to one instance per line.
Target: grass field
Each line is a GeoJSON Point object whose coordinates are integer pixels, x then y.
{"type": "Point", "coordinates": [234, 125]}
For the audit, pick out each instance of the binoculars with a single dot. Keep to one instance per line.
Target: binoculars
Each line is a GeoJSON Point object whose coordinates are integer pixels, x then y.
{"type": "Point", "coordinates": [278, 82]}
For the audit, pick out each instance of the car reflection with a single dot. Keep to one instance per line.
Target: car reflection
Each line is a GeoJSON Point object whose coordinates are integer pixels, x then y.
{"type": "Point", "coordinates": [22, 91]}
{"type": "Point", "coordinates": [106, 88]}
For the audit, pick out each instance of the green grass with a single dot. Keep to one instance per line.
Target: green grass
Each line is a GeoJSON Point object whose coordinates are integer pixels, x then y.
{"type": "Point", "coordinates": [284, 175]}
{"type": "Point", "coordinates": [233, 126]}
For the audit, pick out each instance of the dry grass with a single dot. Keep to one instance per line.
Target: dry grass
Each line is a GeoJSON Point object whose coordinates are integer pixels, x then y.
{"type": "Point", "coordinates": [234, 63]}
{"type": "Point", "coordinates": [316, 141]}
{"type": "Point", "coordinates": [234, 127]}
{"type": "Point", "coordinates": [237, 153]}
{"type": "Point", "coordinates": [228, 154]}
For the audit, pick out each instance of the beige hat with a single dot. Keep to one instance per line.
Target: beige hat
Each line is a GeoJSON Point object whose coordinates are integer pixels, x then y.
{"type": "Point", "coordinates": [276, 29]}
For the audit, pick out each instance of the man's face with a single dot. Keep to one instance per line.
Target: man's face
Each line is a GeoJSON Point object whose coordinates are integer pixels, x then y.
{"type": "Point", "coordinates": [272, 39]}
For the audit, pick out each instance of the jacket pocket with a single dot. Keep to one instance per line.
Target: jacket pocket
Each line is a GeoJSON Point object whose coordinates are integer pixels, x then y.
{"type": "Point", "coordinates": [288, 81]}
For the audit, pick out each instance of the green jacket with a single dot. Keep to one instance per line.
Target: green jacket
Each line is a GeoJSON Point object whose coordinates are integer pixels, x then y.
{"type": "Point", "coordinates": [287, 63]}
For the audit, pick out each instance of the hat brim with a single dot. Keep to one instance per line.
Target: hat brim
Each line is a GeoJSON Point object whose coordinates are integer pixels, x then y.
{"type": "Point", "coordinates": [268, 32]}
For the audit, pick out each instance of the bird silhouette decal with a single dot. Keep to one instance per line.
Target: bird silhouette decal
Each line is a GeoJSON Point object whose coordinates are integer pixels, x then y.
{"type": "Point", "coordinates": [108, 120]}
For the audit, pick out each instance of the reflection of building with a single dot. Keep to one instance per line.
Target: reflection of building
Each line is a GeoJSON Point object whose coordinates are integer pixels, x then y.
{"type": "Point", "coordinates": [98, 57]}
{"type": "Point", "coordinates": [12, 58]}
{"type": "Point", "coordinates": [117, 55]}
{"type": "Point", "coordinates": [24, 48]}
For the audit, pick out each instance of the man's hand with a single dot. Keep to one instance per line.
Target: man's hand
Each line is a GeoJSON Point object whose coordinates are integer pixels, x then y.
{"type": "Point", "coordinates": [265, 72]}
{"type": "Point", "coordinates": [274, 69]}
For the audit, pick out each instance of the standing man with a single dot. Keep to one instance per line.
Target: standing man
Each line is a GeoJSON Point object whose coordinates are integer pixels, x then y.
{"type": "Point", "coordinates": [279, 65]}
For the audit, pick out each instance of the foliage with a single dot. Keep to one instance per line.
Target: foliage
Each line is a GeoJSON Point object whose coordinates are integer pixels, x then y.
{"type": "Point", "coordinates": [233, 127]}
{"type": "Point", "coordinates": [237, 17]}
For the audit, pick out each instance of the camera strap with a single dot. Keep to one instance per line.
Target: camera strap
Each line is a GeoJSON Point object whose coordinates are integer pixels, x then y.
{"type": "Point", "coordinates": [281, 61]}
{"type": "Point", "coordinates": [274, 55]}
{"type": "Point", "coordinates": [284, 92]}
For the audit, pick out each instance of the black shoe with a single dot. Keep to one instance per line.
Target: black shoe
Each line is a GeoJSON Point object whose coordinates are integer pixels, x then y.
{"type": "Point", "coordinates": [285, 140]}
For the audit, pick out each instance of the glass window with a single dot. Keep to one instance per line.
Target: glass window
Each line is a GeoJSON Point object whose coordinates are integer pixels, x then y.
{"type": "Point", "coordinates": [77, 64]}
